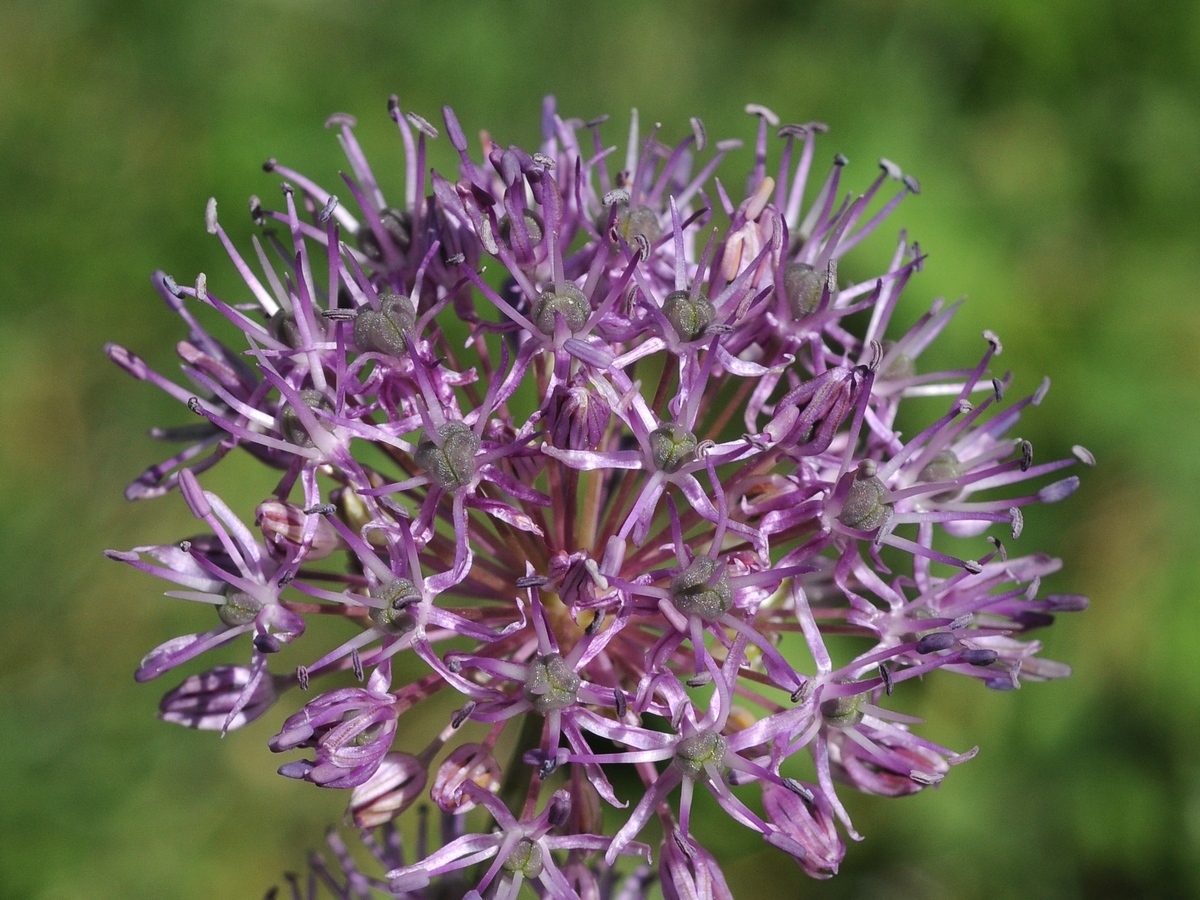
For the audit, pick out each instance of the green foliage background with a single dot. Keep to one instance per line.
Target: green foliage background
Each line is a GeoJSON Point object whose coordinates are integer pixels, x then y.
{"type": "Point", "coordinates": [1057, 148]}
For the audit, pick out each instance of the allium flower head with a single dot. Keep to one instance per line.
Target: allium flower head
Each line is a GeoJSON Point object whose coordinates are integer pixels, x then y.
{"type": "Point", "coordinates": [603, 451]}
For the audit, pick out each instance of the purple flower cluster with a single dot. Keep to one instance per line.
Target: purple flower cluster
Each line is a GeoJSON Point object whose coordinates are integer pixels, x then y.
{"type": "Point", "coordinates": [609, 451]}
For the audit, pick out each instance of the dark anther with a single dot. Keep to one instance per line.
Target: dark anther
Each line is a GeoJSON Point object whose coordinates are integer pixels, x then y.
{"type": "Point", "coordinates": [321, 509]}
{"type": "Point", "coordinates": [840, 160]}
{"type": "Point", "coordinates": [463, 714]}
{"type": "Point", "coordinates": [594, 625]}
{"type": "Point", "coordinates": [393, 105]}
{"type": "Point", "coordinates": [194, 405]}
{"type": "Point", "coordinates": [998, 389]}
{"type": "Point", "coordinates": [528, 581]}
{"type": "Point", "coordinates": [185, 546]}
{"type": "Point", "coordinates": [699, 133]}
{"type": "Point", "coordinates": [801, 693]}
{"type": "Point", "coordinates": [266, 643]}
{"type": "Point", "coordinates": [1026, 455]}
{"type": "Point", "coordinates": [302, 678]}
{"type": "Point", "coordinates": [1018, 522]}
{"type": "Point", "coordinates": [886, 675]}
{"type": "Point", "coordinates": [912, 184]}
{"type": "Point", "coordinates": [936, 641]}
{"type": "Point", "coordinates": [549, 764]}
{"type": "Point", "coordinates": [980, 657]}
{"type": "Point", "coordinates": [456, 260]}
{"type": "Point", "coordinates": [270, 164]}
{"type": "Point", "coordinates": [798, 789]}
{"type": "Point", "coordinates": [356, 665]}
{"type": "Point", "coordinates": [619, 699]}
{"type": "Point", "coordinates": [699, 680]}
{"type": "Point", "coordinates": [972, 566]}
{"type": "Point", "coordinates": [339, 314]}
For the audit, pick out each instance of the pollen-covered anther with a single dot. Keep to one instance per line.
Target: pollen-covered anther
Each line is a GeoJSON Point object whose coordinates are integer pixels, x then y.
{"type": "Point", "coordinates": [525, 858]}
{"type": "Point", "coordinates": [239, 608]}
{"type": "Point", "coordinates": [290, 425]}
{"type": "Point", "coordinates": [695, 592]}
{"type": "Point", "coordinates": [387, 329]}
{"type": "Point", "coordinates": [689, 316]}
{"type": "Point", "coordinates": [693, 753]}
{"type": "Point", "coordinates": [394, 617]}
{"type": "Point", "coordinates": [865, 507]}
{"type": "Point", "coordinates": [672, 447]}
{"type": "Point", "coordinates": [568, 302]}
{"type": "Point", "coordinates": [551, 684]}
{"type": "Point", "coordinates": [449, 462]}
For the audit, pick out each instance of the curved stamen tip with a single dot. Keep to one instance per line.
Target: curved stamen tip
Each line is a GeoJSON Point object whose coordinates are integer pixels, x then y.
{"type": "Point", "coordinates": [543, 160]}
{"type": "Point", "coordinates": [891, 169]}
{"type": "Point", "coordinates": [757, 109]}
{"type": "Point", "coordinates": [699, 133]}
{"type": "Point", "coordinates": [792, 130]}
{"type": "Point", "coordinates": [912, 184]}
{"type": "Point", "coordinates": [327, 209]}
{"type": "Point", "coordinates": [393, 106]}
{"type": "Point", "coordinates": [210, 215]}
{"type": "Point", "coordinates": [840, 160]}
{"type": "Point", "coordinates": [1084, 455]}
{"type": "Point", "coordinates": [341, 120]}
{"type": "Point", "coordinates": [991, 337]}
{"type": "Point", "coordinates": [422, 125]}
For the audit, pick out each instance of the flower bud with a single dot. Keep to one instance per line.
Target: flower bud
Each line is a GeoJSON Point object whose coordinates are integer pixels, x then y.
{"type": "Point", "coordinates": [865, 508]}
{"type": "Point", "coordinates": [802, 287]}
{"type": "Point", "coordinates": [551, 684]}
{"type": "Point", "coordinates": [396, 784]}
{"type": "Point", "coordinates": [205, 701]}
{"type": "Point", "coordinates": [468, 762]}
{"type": "Point", "coordinates": [689, 871]}
{"type": "Point", "coordinates": [805, 828]}
{"type": "Point", "coordinates": [283, 524]}
{"type": "Point", "coordinates": [290, 425]}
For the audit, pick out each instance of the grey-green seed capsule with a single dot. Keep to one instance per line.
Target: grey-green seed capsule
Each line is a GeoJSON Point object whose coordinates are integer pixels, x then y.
{"type": "Point", "coordinates": [526, 857]}
{"type": "Point", "coordinates": [394, 619]}
{"type": "Point", "coordinates": [693, 753]}
{"type": "Point", "coordinates": [689, 317]}
{"type": "Point", "coordinates": [397, 223]}
{"type": "Point", "coordinates": [291, 427]}
{"type": "Point", "coordinates": [842, 712]}
{"type": "Point", "coordinates": [865, 509]}
{"type": "Point", "coordinates": [802, 287]}
{"type": "Point", "coordinates": [452, 465]}
{"type": "Point", "coordinates": [570, 303]}
{"type": "Point", "coordinates": [385, 330]}
{"type": "Point", "coordinates": [672, 447]}
{"type": "Point", "coordinates": [943, 467]}
{"type": "Point", "coordinates": [551, 684]}
{"type": "Point", "coordinates": [239, 608]}
{"type": "Point", "coordinates": [695, 592]}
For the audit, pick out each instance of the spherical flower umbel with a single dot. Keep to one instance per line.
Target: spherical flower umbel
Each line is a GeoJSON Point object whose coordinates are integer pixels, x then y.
{"type": "Point", "coordinates": [590, 447]}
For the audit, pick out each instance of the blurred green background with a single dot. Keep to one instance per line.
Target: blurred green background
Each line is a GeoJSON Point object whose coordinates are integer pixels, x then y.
{"type": "Point", "coordinates": [1057, 145]}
